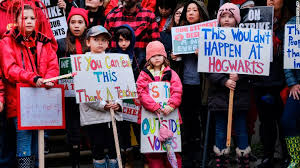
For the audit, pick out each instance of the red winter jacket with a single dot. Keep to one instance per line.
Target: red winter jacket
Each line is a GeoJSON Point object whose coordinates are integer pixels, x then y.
{"type": "Point", "coordinates": [147, 101]}
{"type": "Point", "coordinates": [20, 66]}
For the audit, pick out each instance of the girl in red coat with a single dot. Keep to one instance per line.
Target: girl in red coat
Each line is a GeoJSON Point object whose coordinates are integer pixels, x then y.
{"type": "Point", "coordinates": [157, 69]}
{"type": "Point", "coordinates": [26, 56]}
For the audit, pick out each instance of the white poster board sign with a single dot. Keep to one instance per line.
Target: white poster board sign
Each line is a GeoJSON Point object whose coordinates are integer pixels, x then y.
{"type": "Point", "coordinates": [130, 110]}
{"type": "Point", "coordinates": [291, 47]}
{"type": "Point", "coordinates": [160, 92]}
{"type": "Point", "coordinates": [40, 108]}
{"type": "Point", "coordinates": [235, 50]}
{"type": "Point", "coordinates": [103, 77]}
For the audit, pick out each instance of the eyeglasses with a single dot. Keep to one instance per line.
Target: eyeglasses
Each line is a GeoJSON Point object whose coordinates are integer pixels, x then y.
{"type": "Point", "coordinates": [178, 13]}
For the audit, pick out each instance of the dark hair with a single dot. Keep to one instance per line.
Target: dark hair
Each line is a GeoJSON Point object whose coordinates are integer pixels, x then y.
{"type": "Point", "coordinates": [70, 43]}
{"type": "Point", "coordinates": [183, 21]}
{"type": "Point", "coordinates": [165, 4]}
{"type": "Point", "coordinates": [18, 12]}
{"type": "Point", "coordinates": [173, 24]}
{"type": "Point", "coordinates": [124, 32]}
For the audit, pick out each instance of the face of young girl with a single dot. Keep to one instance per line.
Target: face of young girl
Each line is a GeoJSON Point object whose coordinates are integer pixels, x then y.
{"type": "Point", "coordinates": [97, 44]}
{"type": "Point", "coordinates": [192, 13]}
{"type": "Point", "coordinates": [29, 21]}
{"type": "Point", "coordinates": [77, 25]}
{"type": "Point", "coordinates": [227, 20]}
{"type": "Point", "coordinates": [177, 15]}
{"type": "Point", "coordinates": [123, 43]}
{"type": "Point", "coordinates": [157, 61]}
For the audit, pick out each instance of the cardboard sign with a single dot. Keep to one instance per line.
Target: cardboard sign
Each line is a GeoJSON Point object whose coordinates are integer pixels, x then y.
{"type": "Point", "coordinates": [227, 50]}
{"type": "Point", "coordinates": [131, 110]}
{"type": "Point", "coordinates": [291, 47]}
{"type": "Point", "coordinates": [40, 108]}
{"type": "Point", "coordinates": [57, 19]}
{"type": "Point", "coordinates": [65, 67]}
{"type": "Point", "coordinates": [259, 17]}
{"type": "Point", "coordinates": [103, 77]}
{"type": "Point", "coordinates": [185, 38]}
{"type": "Point", "coordinates": [150, 125]}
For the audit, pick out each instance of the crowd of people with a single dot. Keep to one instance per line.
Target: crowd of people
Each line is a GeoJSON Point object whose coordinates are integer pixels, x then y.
{"type": "Point", "coordinates": [29, 54]}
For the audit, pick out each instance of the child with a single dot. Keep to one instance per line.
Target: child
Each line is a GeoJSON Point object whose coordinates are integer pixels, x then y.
{"type": "Point", "coordinates": [157, 69]}
{"type": "Point", "coordinates": [95, 116]}
{"type": "Point", "coordinates": [26, 57]}
{"type": "Point", "coordinates": [218, 98]}
{"type": "Point", "coordinates": [74, 44]}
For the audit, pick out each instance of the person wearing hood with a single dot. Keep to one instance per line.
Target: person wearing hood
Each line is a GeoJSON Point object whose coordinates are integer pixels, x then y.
{"type": "Point", "coordinates": [125, 41]}
{"type": "Point", "coordinates": [193, 12]}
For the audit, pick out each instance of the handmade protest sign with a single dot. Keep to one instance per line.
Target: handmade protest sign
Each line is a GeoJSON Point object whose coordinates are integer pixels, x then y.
{"type": "Point", "coordinates": [40, 108]}
{"type": "Point", "coordinates": [227, 50]}
{"type": "Point", "coordinates": [65, 67]}
{"type": "Point", "coordinates": [103, 77]}
{"type": "Point", "coordinates": [259, 17]}
{"type": "Point", "coordinates": [57, 19]}
{"type": "Point", "coordinates": [131, 109]}
{"type": "Point", "coordinates": [160, 92]}
{"type": "Point", "coordinates": [291, 47]}
{"type": "Point", "coordinates": [185, 38]}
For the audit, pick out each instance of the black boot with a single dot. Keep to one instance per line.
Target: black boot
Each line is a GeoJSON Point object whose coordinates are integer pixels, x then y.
{"type": "Point", "coordinates": [25, 162]}
{"type": "Point", "coordinates": [75, 156]}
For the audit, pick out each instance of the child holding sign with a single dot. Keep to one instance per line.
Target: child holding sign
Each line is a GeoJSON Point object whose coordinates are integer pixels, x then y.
{"type": "Point", "coordinates": [95, 117]}
{"type": "Point", "coordinates": [218, 98]}
{"type": "Point", "coordinates": [74, 44]}
{"type": "Point", "coordinates": [26, 57]}
{"type": "Point", "coordinates": [157, 69]}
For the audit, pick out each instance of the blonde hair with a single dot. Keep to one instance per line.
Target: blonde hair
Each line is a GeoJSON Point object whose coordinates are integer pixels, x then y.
{"type": "Point", "coordinates": [150, 65]}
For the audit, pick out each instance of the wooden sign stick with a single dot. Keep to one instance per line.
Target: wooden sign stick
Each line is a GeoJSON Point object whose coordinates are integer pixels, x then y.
{"type": "Point", "coordinates": [60, 77]}
{"type": "Point", "coordinates": [41, 148]}
{"type": "Point", "coordinates": [229, 122]}
{"type": "Point", "coordinates": [113, 121]}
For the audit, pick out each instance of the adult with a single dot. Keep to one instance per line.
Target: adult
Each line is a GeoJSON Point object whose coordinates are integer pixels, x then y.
{"type": "Point", "coordinates": [267, 92]}
{"type": "Point", "coordinates": [143, 23]}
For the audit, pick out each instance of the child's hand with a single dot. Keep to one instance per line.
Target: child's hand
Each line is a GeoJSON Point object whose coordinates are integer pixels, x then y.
{"type": "Point", "coordinates": [112, 105]}
{"type": "Point", "coordinates": [49, 84]}
{"type": "Point", "coordinates": [230, 84]}
{"type": "Point", "coordinates": [39, 82]}
{"type": "Point", "coordinates": [167, 111]}
{"type": "Point", "coordinates": [158, 111]}
{"type": "Point", "coordinates": [234, 76]}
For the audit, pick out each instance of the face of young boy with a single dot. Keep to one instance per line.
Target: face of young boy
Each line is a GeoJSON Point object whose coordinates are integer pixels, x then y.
{"type": "Point", "coordinates": [227, 20]}
{"type": "Point", "coordinates": [97, 44]}
{"type": "Point", "coordinates": [77, 25]}
{"type": "Point", "coordinates": [123, 43]}
{"type": "Point", "coordinates": [29, 21]}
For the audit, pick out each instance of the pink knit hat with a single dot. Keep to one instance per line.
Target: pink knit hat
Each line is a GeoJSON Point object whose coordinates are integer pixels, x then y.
{"type": "Point", "coordinates": [231, 9]}
{"type": "Point", "coordinates": [81, 12]}
{"type": "Point", "coordinates": [155, 48]}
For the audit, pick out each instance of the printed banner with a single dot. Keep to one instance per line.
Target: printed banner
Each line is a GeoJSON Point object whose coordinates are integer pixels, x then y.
{"type": "Point", "coordinates": [243, 51]}
{"type": "Point", "coordinates": [291, 47]}
{"type": "Point", "coordinates": [160, 92]}
{"type": "Point", "coordinates": [65, 67]}
{"type": "Point", "coordinates": [131, 110]}
{"type": "Point", "coordinates": [259, 17]}
{"type": "Point", "coordinates": [103, 77]}
{"type": "Point", "coordinates": [185, 38]}
{"type": "Point", "coordinates": [40, 108]}
{"type": "Point", "coordinates": [57, 19]}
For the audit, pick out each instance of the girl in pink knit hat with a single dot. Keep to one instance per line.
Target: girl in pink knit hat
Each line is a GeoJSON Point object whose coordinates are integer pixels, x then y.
{"type": "Point", "coordinates": [157, 69]}
{"type": "Point", "coordinates": [218, 98]}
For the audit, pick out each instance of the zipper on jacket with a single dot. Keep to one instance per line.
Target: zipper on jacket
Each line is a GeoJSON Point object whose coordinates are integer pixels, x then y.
{"type": "Point", "coordinates": [23, 59]}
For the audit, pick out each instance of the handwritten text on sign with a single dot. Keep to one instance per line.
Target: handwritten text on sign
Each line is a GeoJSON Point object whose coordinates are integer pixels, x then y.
{"type": "Point", "coordinates": [226, 50]}
{"type": "Point", "coordinates": [41, 107]}
{"type": "Point", "coordinates": [150, 125]}
{"type": "Point", "coordinates": [57, 19]}
{"type": "Point", "coordinates": [103, 77]}
{"type": "Point", "coordinates": [185, 38]}
{"type": "Point", "coordinates": [291, 47]}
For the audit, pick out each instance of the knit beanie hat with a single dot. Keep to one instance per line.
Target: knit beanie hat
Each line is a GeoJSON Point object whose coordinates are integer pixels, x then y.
{"type": "Point", "coordinates": [79, 11]}
{"type": "Point", "coordinates": [155, 48]}
{"type": "Point", "coordinates": [231, 9]}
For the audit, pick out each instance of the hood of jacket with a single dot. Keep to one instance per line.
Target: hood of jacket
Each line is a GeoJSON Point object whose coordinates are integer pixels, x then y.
{"type": "Point", "coordinates": [130, 49]}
